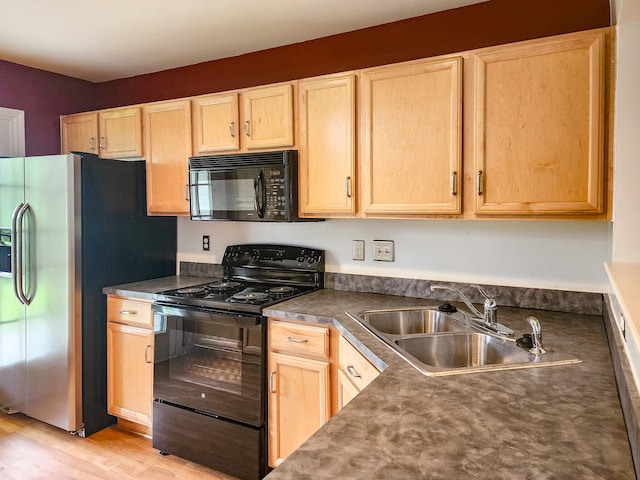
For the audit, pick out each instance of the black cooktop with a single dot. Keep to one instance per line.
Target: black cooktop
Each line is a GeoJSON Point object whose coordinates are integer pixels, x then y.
{"type": "Point", "coordinates": [255, 276]}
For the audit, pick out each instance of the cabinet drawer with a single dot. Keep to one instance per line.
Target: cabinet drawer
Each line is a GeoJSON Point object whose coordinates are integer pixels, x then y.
{"type": "Point", "coordinates": [357, 368]}
{"type": "Point", "coordinates": [131, 312]}
{"type": "Point", "coordinates": [305, 340]}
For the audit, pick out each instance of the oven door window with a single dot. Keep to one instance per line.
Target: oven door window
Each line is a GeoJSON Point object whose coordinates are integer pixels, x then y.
{"type": "Point", "coordinates": [211, 365]}
{"type": "Point", "coordinates": [226, 194]}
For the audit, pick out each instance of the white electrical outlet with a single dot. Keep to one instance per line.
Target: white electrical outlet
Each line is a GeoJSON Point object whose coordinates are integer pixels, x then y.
{"type": "Point", "coordinates": [357, 250]}
{"type": "Point", "coordinates": [383, 250]}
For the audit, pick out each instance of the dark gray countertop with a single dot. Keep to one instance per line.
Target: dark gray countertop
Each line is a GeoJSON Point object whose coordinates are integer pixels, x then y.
{"type": "Point", "coordinates": [560, 422]}
{"type": "Point", "coordinates": [145, 289]}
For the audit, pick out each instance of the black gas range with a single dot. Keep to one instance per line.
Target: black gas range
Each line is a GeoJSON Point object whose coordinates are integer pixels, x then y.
{"type": "Point", "coordinates": [210, 357]}
{"type": "Point", "coordinates": [255, 276]}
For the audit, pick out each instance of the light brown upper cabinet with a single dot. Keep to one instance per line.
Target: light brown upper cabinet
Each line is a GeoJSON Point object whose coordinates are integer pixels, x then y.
{"type": "Point", "coordinates": [120, 133]}
{"type": "Point", "coordinates": [79, 133]}
{"type": "Point", "coordinates": [538, 126]}
{"type": "Point", "coordinates": [255, 118]}
{"type": "Point", "coordinates": [114, 133]}
{"type": "Point", "coordinates": [410, 138]}
{"type": "Point", "coordinates": [268, 116]}
{"type": "Point", "coordinates": [327, 146]}
{"type": "Point", "coordinates": [216, 123]}
{"type": "Point", "coordinates": [167, 146]}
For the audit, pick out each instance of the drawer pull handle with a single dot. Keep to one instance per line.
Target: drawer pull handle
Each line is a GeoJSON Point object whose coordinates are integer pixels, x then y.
{"type": "Point", "coordinates": [297, 340]}
{"type": "Point", "coordinates": [353, 372]}
{"type": "Point", "coordinates": [128, 312]}
{"type": "Point", "coordinates": [271, 385]}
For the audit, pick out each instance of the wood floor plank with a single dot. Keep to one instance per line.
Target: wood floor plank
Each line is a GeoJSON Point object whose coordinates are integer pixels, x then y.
{"type": "Point", "coordinates": [32, 450]}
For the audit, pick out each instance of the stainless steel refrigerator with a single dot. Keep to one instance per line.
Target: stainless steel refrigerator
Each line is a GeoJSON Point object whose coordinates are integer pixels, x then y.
{"type": "Point", "coordinates": [69, 226]}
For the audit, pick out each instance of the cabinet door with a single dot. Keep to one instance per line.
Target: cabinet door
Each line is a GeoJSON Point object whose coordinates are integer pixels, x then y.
{"type": "Point", "coordinates": [298, 402]}
{"type": "Point", "coordinates": [80, 133]}
{"type": "Point", "coordinates": [120, 133]}
{"type": "Point", "coordinates": [130, 372]}
{"type": "Point", "coordinates": [539, 127]}
{"type": "Point", "coordinates": [347, 391]}
{"type": "Point", "coordinates": [411, 134]}
{"type": "Point", "coordinates": [167, 146]}
{"type": "Point", "coordinates": [268, 116]}
{"type": "Point", "coordinates": [327, 146]}
{"type": "Point", "coordinates": [215, 123]}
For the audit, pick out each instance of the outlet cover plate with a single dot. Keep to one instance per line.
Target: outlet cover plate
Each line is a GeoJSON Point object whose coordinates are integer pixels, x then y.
{"type": "Point", "coordinates": [357, 250]}
{"type": "Point", "coordinates": [383, 250]}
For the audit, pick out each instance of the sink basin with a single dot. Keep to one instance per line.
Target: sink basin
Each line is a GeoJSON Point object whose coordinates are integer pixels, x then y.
{"type": "Point", "coordinates": [462, 350]}
{"type": "Point", "coordinates": [438, 343]}
{"type": "Point", "coordinates": [406, 321]}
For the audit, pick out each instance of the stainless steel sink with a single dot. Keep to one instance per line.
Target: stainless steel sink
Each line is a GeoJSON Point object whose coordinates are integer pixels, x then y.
{"type": "Point", "coordinates": [437, 343]}
{"type": "Point", "coordinates": [404, 321]}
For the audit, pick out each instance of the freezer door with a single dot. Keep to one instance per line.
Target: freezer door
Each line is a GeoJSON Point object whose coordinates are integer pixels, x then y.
{"type": "Point", "coordinates": [12, 312]}
{"type": "Point", "coordinates": [53, 317]}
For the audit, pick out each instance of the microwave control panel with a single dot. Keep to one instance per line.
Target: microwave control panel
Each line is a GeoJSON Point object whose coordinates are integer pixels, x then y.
{"type": "Point", "coordinates": [276, 202]}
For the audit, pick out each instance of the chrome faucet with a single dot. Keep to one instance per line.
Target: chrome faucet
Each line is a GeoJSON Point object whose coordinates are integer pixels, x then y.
{"type": "Point", "coordinates": [536, 336]}
{"type": "Point", "coordinates": [488, 318]}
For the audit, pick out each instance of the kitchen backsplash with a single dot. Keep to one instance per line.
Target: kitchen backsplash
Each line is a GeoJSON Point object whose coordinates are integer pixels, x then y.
{"type": "Point", "coordinates": [536, 298]}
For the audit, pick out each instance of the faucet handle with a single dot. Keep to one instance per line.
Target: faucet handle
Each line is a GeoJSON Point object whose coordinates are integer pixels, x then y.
{"type": "Point", "coordinates": [485, 294]}
{"type": "Point", "coordinates": [536, 336]}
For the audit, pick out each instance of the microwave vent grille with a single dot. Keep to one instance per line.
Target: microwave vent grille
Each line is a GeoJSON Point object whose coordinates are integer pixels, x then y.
{"type": "Point", "coordinates": [242, 159]}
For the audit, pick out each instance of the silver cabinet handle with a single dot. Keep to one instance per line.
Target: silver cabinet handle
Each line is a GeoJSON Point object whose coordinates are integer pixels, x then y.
{"type": "Point", "coordinates": [454, 183]}
{"type": "Point", "coordinates": [353, 372]}
{"type": "Point", "coordinates": [92, 142]}
{"type": "Point", "coordinates": [246, 128]}
{"type": "Point", "coordinates": [479, 182]}
{"type": "Point", "coordinates": [232, 127]}
{"type": "Point", "coordinates": [348, 186]}
{"type": "Point", "coordinates": [103, 143]}
{"type": "Point", "coordinates": [146, 356]}
{"type": "Point", "coordinates": [186, 192]}
{"type": "Point", "coordinates": [128, 312]}
{"type": "Point", "coordinates": [271, 383]}
{"type": "Point", "coordinates": [297, 340]}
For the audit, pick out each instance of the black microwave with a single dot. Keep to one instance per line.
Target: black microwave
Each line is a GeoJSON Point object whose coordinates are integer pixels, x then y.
{"type": "Point", "coordinates": [258, 187]}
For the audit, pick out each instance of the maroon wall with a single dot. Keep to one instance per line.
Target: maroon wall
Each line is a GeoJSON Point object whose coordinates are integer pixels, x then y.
{"type": "Point", "coordinates": [489, 23]}
{"type": "Point", "coordinates": [43, 96]}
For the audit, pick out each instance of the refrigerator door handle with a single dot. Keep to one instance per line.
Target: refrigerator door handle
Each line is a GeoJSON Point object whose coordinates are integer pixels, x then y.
{"type": "Point", "coordinates": [17, 248]}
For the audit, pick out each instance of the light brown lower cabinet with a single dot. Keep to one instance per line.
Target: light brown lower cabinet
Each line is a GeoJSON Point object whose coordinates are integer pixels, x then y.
{"type": "Point", "coordinates": [299, 385]}
{"type": "Point", "coordinates": [355, 372]}
{"type": "Point", "coordinates": [313, 372]}
{"type": "Point", "coordinates": [130, 362]}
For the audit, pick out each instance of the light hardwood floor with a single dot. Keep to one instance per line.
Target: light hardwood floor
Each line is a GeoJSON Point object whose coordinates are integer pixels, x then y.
{"type": "Point", "coordinates": [32, 450]}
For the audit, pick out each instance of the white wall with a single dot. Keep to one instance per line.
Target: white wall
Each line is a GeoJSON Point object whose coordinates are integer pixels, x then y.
{"type": "Point", "coordinates": [557, 255]}
{"type": "Point", "coordinates": [626, 200]}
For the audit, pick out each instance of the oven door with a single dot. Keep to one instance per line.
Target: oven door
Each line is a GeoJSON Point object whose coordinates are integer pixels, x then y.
{"type": "Point", "coordinates": [211, 362]}
{"type": "Point", "coordinates": [227, 194]}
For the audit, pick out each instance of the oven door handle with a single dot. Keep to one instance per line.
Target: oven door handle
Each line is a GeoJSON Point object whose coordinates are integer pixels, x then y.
{"type": "Point", "coordinates": [213, 316]}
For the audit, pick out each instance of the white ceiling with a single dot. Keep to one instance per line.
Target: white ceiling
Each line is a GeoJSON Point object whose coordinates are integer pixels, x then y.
{"type": "Point", "coordinates": [100, 40]}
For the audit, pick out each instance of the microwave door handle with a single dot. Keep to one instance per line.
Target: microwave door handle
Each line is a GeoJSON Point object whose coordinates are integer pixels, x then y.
{"type": "Point", "coordinates": [258, 187]}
